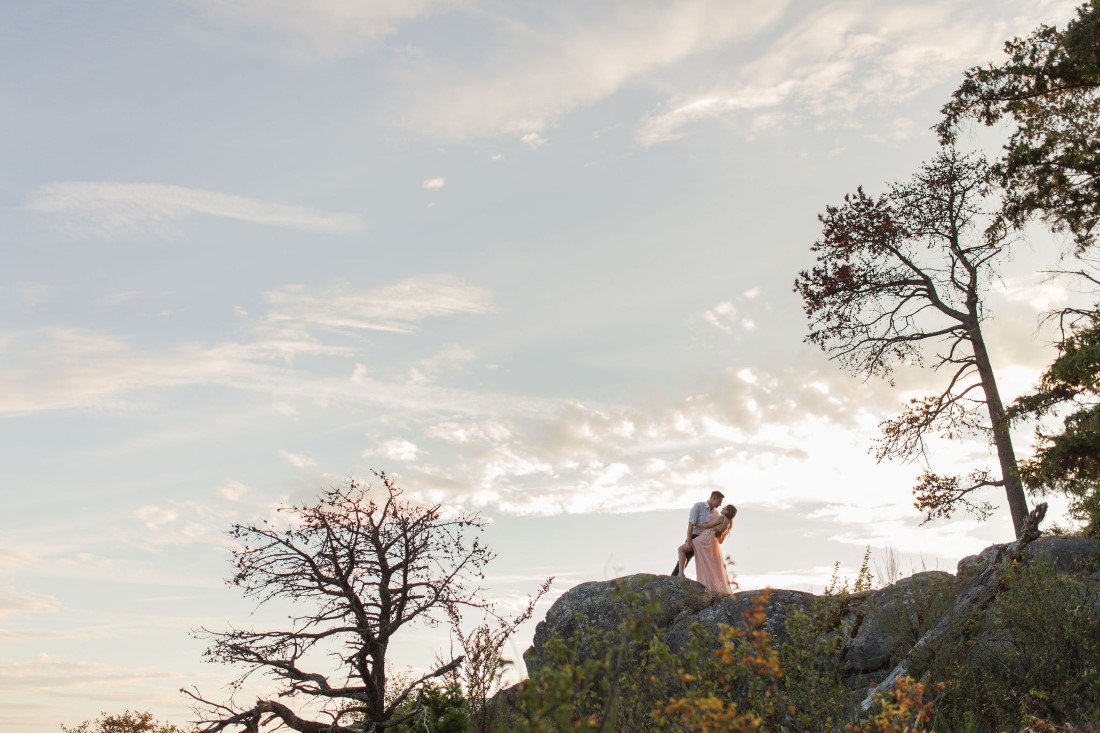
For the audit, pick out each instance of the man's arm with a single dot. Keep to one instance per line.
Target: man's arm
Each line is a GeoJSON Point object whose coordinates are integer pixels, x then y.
{"type": "Point", "coordinates": [691, 528]}
{"type": "Point", "coordinates": [717, 521]}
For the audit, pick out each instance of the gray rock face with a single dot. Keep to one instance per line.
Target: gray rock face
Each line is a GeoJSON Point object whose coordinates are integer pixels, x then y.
{"type": "Point", "coordinates": [893, 618]}
{"type": "Point", "coordinates": [730, 611]}
{"type": "Point", "coordinates": [1071, 555]}
{"type": "Point", "coordinates": [971, 565]}
{"type": "Point", "coordinates": [878, 627]}
{"type": "Point", "coordinates": [1074, 555]}
{"type": "Point", "coordinates": [589, 612]}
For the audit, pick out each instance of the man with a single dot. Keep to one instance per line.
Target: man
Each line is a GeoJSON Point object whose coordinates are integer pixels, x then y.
{"type": "Point", "coordinates": [699, 513]}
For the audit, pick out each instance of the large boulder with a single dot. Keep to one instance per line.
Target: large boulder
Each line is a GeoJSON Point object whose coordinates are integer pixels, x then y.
{"type": "Point", "coordinates": [587, 616]}
{"type": "Point", "coordinates": [730, 611]}
{"type": "Point", "coordinates": [1069, 555]}
{"type": "Point", "coordinates": [892, 619]}
{"type": "Point", "coordinates": [1072, 555]}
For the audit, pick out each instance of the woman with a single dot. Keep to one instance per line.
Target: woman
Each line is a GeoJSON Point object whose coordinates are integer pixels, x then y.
{"type": "Point", "coordinates": [710, 570]}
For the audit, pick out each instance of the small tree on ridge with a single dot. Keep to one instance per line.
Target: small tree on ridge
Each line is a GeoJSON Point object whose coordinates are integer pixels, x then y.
{"type": "Point", "coordinates": [363, 563]}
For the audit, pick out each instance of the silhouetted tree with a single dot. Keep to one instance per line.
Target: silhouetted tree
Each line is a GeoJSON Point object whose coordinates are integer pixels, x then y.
{"type": "Point", "coordinates": [1049, 90]}
{"type": "Point", "coordinates": [365, 563]}
{"type": "Point", "coordinates": [900, 279]}
{"type": "Point", "coordinates": [1049, 87]}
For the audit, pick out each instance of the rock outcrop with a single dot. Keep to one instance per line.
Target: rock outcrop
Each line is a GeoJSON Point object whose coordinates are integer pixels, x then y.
{"type": "Point", "coordinates": [880, 628]}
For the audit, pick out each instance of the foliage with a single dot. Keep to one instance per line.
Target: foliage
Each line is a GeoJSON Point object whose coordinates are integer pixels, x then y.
{"type": "Point", "coordinates": [736, 686]}
{"type": "Point", "coordinates": [127, 722]}
{"type": "Point", "coordinates": [437, 709]}
{"type": "Point", "coordinates": [1049, 87]}
{"type": "Point", "coordinates": [841, 586]}
{"type": "Point", "coordinates": [484, 664]}
{"type": "Point", "coordinates": [571, 691]}
{"type": "Point", "coordinates": [732, 682]}
{"type": "Point", "coordinates": [1069, 461]}
{"type": "Point", "coordinates": [1027, 663]}
{"type": "Point", "coordinates": [1032, 654]}
{"type": "Point", "coordinates": [357, 567]}
{"type": "Point", "coordinates": [903, 710]}
{"type": "Point", "coordinates": [812, 689]}
{"type": "Point", "coordinates": [899, 280]}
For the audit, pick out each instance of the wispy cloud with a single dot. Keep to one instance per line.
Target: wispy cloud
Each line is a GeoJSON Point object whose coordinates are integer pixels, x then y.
{"type": "Point", "coordinates": [434, 184]}
{"type": "Point", "coordinates": [319, 29]}
{"type": "Point", "coordinates": [577, 55]}
{"type": "Point", "coordinates": [298, 460]}
{"type": "Point", "coordinates": [398, 307]}
{"type": "Point", "coordinates": [50, 673]}
{"type": "Point", "coordinates": [109, 208]}
{"type": "Point", "coordinates": [63, 368]}
{"type": "Point", "coordinates": [14, 601]}
{"type": "Point", "coordinates": [846, 57]}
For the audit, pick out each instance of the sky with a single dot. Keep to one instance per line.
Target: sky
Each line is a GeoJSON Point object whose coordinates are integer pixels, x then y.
{"type": "Point", "coordinates": [534, 260]}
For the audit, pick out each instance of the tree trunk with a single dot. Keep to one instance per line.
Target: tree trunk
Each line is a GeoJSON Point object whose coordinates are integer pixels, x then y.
{"type": "Point", "coordinates": [1002, 438]}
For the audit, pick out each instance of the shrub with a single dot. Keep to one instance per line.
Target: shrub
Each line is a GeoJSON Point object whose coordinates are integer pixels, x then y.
{"type": "Point", "coordinates": [1030, 655]}
{"type": "Point", "coordinates": [438, 709]}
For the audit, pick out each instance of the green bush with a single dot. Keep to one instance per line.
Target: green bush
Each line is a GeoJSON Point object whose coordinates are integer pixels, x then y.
{"type": "Point", "coordinates": [813, 690]}
{"type": "Point", "coordinates": [442, 709]}
{"type": "Point", "coordinates": [1032, 654]}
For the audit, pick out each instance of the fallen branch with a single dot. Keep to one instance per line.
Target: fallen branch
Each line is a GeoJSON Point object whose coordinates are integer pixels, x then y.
{"type": "Point", "coordinates": [978, 594]}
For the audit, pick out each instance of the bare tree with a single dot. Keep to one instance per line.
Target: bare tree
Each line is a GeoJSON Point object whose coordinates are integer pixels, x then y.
{"type": "Point", "coordinates": [365, 563]}
{"type": "Point", "coordinates": [900, 280]}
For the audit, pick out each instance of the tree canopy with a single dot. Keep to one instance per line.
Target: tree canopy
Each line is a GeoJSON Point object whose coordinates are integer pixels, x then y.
{"type": "Point", "coordinates": [1068, 460]}
{"type": "Point", "coordinates": [1049, 87]}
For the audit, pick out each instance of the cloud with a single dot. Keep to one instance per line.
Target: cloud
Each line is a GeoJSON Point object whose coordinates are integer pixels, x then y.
{"type": "Point", "coordinates": [62, 368]}
{"type": "Point", "coordinates": [533, 140]}
{"type": "Point", "coordinates": [725, 317]}
{"type": "Point", "coordinates": [320, 29]}
{"type": "Point", "coordinates": [846, 57]}
{"type": "Point", "coordinates": [25, 295]}
{"type": "Point", "coordinates": [396, 308]}
{"type": "Point", "coordinates": [108, 208]}
{"type": "Point", "coordinates": [233, 491]}
{"type": "Point", "coordinates": [777, 431]}
{"type": "Point", "coordinates": [14, 602]}
{"type": "Point", "coordinates": [47, 672]}
{"type": "Point", "coordinates": [576, 55]}
{"type": "Point", "coordinates": [13, 559]}
{"type": "Point", "coordinates": [397, 449]}
{"type": "Point", "coordinates": [433, 184]}
{"type": "Point", "coordinates": [666, 126]}
{"type": "Point", "coordinates": [450, 360]}
{"type": "Point", "coordinates": [155, 518]}
{"type": "Point", "coordinates": [121, 297]}
{"type": "Point", "coordinates": [298, 460]}
{"type": "Point", "coordinates": [461, 433]}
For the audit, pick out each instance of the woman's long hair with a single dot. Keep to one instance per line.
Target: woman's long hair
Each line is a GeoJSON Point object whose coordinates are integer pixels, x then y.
{"type": "Point", "coordinates": [729, 511]}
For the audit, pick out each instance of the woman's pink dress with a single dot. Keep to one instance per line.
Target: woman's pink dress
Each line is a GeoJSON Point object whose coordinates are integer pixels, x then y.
{"type": "Point", "coordinates": [710, 570]}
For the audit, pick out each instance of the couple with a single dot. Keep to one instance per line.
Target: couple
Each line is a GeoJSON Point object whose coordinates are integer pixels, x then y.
{"type": "Point", "coordinates": [707, 529]}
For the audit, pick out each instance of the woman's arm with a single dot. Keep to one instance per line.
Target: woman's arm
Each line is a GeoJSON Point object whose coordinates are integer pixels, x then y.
{"type": "Point", "coordinates": [711, 523]}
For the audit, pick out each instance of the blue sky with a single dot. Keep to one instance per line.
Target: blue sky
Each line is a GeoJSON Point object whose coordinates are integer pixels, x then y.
{"type": "Point", "coordinates": [533, 259]}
